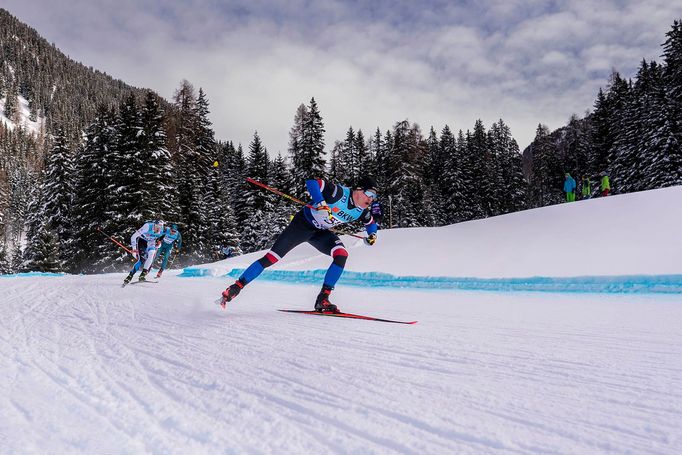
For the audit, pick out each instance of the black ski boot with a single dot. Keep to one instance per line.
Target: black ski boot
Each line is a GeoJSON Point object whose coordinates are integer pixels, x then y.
{"type": "Point", "coordinates": [143, 275]}
{"type": "Point", "coordinates": [128, 278]}
{"type": "Point", "coordinates": [158, 274]}
{"type": "Point", "coordinates": [322, 304]}
{"type": "Point", "coordinates": [230, 293]}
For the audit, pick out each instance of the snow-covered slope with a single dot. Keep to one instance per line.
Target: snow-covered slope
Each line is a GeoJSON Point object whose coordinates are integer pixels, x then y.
{"type": "Point", "coordinates": [619, 235]}
{"type": "Point", "coordinates": [22, 119]}
{"type": "Point", "coordinates": [89, 367]}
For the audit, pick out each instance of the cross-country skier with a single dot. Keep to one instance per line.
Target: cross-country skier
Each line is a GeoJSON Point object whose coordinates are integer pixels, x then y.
{"type": "Point", "coordinates": [143, 243]}
{"type": "Point", "coordinates": [170, 237]}
{"type": "Point", "coordinates": [333, 204]}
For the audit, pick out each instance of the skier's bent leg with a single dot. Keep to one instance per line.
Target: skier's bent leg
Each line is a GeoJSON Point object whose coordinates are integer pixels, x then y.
{"type": "Point", "coordinates": [297, 232]}
{"type": "Point", "coordinates": [339, 254]}
{"type": "Point", "coordinates": [166, 255]}
{"type": "Point", "coordinates": [151, 253]}
{"type": "Point", "coordinates": [255, 269]}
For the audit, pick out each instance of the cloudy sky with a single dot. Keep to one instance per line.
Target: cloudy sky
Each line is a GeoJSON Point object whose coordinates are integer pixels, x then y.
{"type": "Point", "coordinates": [367, 63]}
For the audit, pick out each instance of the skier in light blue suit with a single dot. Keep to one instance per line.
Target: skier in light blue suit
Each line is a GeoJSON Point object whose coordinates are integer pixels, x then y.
{"type": "Point", "coordinates": [170, 238]}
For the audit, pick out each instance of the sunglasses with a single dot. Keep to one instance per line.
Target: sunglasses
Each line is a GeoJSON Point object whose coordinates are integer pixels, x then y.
{"type": "Point", "coordinates": [371, 193]}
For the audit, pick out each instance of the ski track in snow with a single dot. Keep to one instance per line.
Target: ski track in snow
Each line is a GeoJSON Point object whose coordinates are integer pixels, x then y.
{"type": "Point", "coordinates": [94, 368]}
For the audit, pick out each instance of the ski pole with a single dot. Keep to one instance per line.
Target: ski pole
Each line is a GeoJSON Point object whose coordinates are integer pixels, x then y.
{"type": "Point", "coordinates": [278, 192]}
{"type": "Point", "coordinates": [298, 201]}
{"type": "Point", "coordinates": [99, 229]}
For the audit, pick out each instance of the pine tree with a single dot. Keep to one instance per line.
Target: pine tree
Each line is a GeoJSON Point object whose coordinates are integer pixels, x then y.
{"type": "Point", "coordinates": [92, 252]}
{"type": "Point", "coordinates": [46, 252]}
{"type": "Point", "coordinates": [622, 156]}
{"type": "Point", "coordinates": [602, 135]}
{"type": "Point", "coordinates": [336, 168]}
{"type": "Point", "coordinates": [280, 210]}
{"type": "Point", "coordinates": [160, 175]}
{"type": "Point", "coordinates": [433, 170]}
{"type": "Point", "coordinates": [480, 186]}
{"type": "Point", "coordinates": [310, 162]}
{"type": "Point", "coordinates": [11, 102]}
{"type": "Point", "coordinates": [672, 57]}
{"type": "Point", "coordinates": [363, 155]}
{"type": "Point", "coordinates": [257, 203]}
{"type": "Point", "coordinates": [5, 266]}
{"type": "Point", "coordinates": [543, 181]}
{"type": "Point", "coordinates": [350, 162]}
{"type": "Point", "coordinates": [17, 261]}
{"type": "Point", "coordinates": [296, 154]}
{"type": "Point", "coordinates": [58, 192]}
{"type": "Point", "coordinates": [660, 156]}
{"type": "Point", "coordinates": [193, 168]}
{"type": "Point", "coordinates": [127, 194]}
{"type": "Point", "coordinates": [511, 192]}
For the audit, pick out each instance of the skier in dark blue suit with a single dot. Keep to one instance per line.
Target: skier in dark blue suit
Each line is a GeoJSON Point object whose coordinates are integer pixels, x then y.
{"type": "Point", "coordinates": [333, 205]}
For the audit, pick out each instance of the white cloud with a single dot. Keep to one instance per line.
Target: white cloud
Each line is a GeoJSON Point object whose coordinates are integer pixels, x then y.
{"type": "Point", "coordinates": [367, 65]}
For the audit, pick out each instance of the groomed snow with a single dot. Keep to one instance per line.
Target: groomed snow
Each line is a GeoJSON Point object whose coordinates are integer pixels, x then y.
{"type": "Point", "coordinates": [89, 367]}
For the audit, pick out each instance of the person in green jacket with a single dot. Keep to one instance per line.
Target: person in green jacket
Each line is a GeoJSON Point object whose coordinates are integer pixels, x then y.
{"type": "Point", "coordinates": [605, 185]}
{"type": "Point", "coordinates": [586, 190]}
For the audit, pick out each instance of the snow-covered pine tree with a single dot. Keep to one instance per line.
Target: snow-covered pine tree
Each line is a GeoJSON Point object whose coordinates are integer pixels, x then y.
{"type": "Point", "coordinates": [350, 163]}
{"type": "Point", "coordinates": [206, 155]}
{"type": "Point", "coordinates": [17, 261]}
{"type": "Point", "coordinates": [672, 59]}
{"type": "Point", "coordinates": [5, 266]}
{"type": "Point", "coordinates": [336, 169]}
{"type": "Point", "coordinates": [192, 169]}
{"type": "Point", "coordinates": [512, 192]}
{"type": "Point", "coordinates": [232, 167]}
{"type": "Point", "coordinates": [257, 203]}
{"type": "Point", "coordinates": [378, 158]}
{"type": "Point", "coordinates": [11, 101]}
{"type": "Point", "coordinates": [127, 193]}
{"type": "Point", "coordinates": [622, 157]}
{"type": "Point", "coordinates": [58, 195]}
{"type": "Point", "coordinates": [433, 169]}
{"type": "Point", "coordinates": [364, 157]}
{"type": "Point", "coordinates": [660, 160]}
{"type": "Point", "coordinates": [92, 251]}
{"type": "Point", "coordinates": [480, 186]}
{"type": "Point", "coordinates": [299, 172]}
{"type": "Point", "coordinates": [601, 135]}
{"type": "Point", "coordinates": [34, 252]}
{"type": "Point", "coordinates": [312, 164]}
{"type": "Point", "coordinates": [160, 178]}
{"type": "Point", "coordinates": [46, 252]}
{"type": "Point", "coordinates": [280, 209]}
{"type": "Point", "coordinates": [224, 231]}
{"type": "Point", "coordinates": [409, 197]}
{"type": "Point", "coordinates": [544, 188]}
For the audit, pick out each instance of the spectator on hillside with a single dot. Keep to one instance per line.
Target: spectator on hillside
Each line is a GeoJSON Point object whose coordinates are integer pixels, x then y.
{"type": "Point", "coordinates": [605, 185]}
{"type": "Point", "coordinates": [569, 188]}
{"type": "Point", "coordinates": [586, 190]}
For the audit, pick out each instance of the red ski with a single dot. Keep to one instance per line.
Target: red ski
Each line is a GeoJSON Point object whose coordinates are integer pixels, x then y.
{"type": "Point", "coordinates": [347, 316]}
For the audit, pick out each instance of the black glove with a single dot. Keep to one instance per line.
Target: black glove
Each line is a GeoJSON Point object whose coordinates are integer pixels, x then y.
{"type": "Point", "coordinates": [371, 239]}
